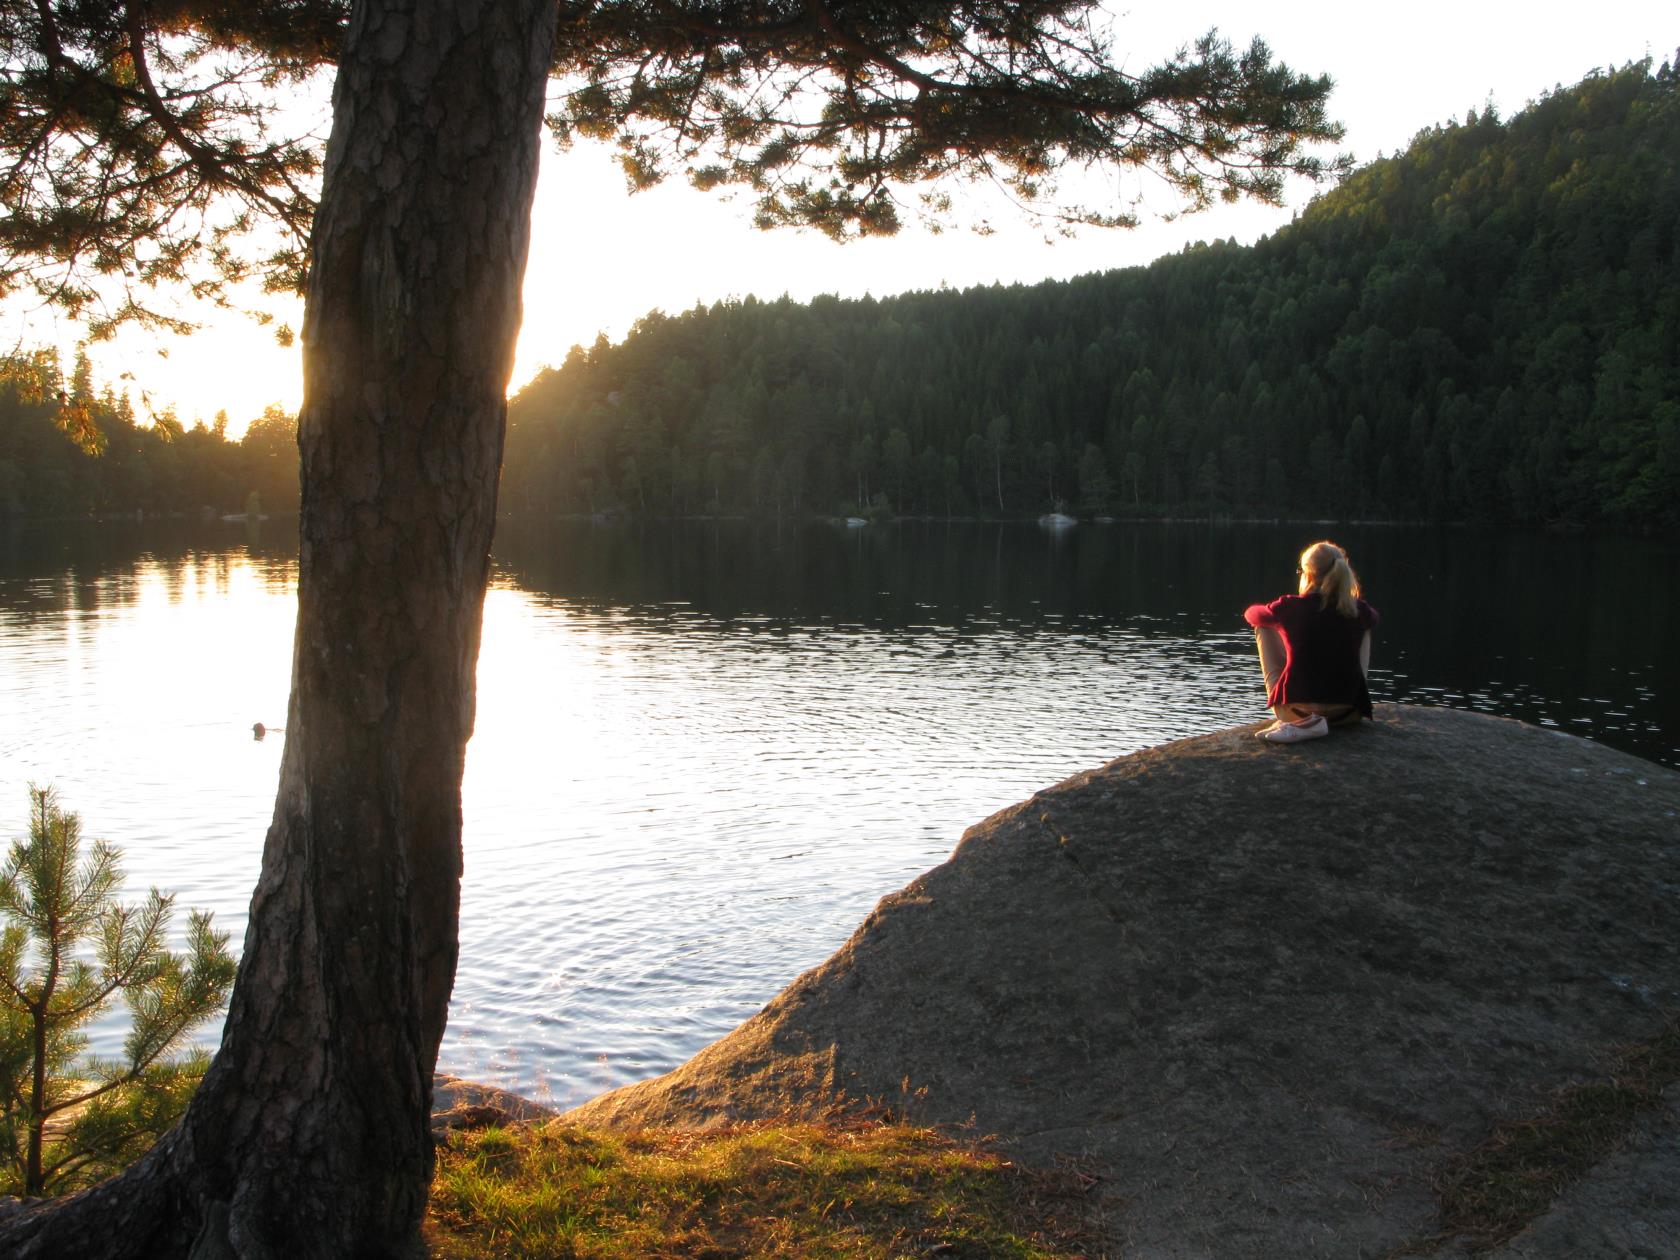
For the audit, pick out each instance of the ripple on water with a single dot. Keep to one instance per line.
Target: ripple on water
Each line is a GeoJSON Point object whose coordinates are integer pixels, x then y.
{"type": "Point", "coordinates": [725, 816]}
{"type": "Point", "coordinates": [669, 813]}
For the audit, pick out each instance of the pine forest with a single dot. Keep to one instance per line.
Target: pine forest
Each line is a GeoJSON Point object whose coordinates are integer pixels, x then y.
{"type": "Point", "coordinates": [1485, 327]}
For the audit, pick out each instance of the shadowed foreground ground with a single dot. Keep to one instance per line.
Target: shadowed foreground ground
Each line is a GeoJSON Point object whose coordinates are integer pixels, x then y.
{"type": "Point", "coordinates": [1273, 995]}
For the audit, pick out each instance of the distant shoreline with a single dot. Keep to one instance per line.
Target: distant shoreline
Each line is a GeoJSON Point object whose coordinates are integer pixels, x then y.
{"type": "Point", "coordinates": [283, 520]}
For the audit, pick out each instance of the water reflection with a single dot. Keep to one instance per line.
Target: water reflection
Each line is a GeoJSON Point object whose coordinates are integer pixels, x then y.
{"type": "Point", "coordinates": [904, 576]}
{"type": "Point", "coordinates": [704, 751]}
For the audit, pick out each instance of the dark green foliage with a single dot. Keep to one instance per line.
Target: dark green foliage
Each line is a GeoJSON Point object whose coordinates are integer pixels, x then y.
{"type": "Point", "coordinates": [1484, 327]}
{"type": "Point", "coordinates": [68, 948]}
{"type": "Point", "coordinates": [831, 114]}
{"type": "Point", "coordinates": [141, 143]}
{"type": "Point", "coordinates": [66, 452]}
{"type": "Point", "coordinates": [136, 148]}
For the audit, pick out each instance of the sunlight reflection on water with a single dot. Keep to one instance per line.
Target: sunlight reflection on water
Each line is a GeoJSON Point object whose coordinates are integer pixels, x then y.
{"type": "Point", "coordinates": [681, 814]}
{"type": "Point", "coordinates": [686, 787]}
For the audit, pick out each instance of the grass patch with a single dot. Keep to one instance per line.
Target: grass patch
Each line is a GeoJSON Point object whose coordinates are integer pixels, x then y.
{"type": "Point", "coordinates": [796, 1191]}
{"type": "Point", "coordinates": [1494, 1191]}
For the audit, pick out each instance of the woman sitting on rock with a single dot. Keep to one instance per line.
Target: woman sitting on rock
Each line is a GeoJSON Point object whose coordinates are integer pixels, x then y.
{"type": "Point", "coordinates": [1315, 648]}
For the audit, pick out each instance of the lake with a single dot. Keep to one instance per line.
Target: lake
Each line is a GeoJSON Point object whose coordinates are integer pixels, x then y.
{"type": "Point", "coordinates": [705, 749]}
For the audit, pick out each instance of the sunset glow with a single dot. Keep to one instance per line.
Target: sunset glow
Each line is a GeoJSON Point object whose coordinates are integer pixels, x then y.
{"type": "Point", "coordinates": [600, 258]}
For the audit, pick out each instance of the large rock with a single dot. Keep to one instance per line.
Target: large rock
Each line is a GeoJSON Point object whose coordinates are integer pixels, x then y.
{"type": "Point", "coordinates": [1266, 991]}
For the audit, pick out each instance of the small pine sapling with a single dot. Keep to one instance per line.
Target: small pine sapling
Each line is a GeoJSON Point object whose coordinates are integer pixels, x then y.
{"type": "Point", "coordinates": [67, 948]}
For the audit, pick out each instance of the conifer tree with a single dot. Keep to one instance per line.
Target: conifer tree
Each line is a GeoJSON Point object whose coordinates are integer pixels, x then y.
{"type": "Point", "coordinates": [310, 1136]}
{"type": "Point", "coordinates": [68, 948]}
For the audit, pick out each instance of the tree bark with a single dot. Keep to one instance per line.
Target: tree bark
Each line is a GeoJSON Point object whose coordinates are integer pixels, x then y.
{"type": "Point", "coordinates": [310, 1136]}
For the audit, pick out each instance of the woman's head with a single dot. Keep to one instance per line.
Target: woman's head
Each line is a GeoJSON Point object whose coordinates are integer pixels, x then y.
{"type": "Point", "coordinates": [1324, 568]}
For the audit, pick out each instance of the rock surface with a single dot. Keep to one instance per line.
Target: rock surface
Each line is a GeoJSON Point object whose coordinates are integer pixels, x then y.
{"type": "Point", "coordinates": [461, 1104]}
{"type": "Point", "coordinates": [1266, 991]}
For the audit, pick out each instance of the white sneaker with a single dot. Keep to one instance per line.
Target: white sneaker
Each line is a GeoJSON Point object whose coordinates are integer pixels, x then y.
{"type": "Point", "coordinates": [1314, 727]}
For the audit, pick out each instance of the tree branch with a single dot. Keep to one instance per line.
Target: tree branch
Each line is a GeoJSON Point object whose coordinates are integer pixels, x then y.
{"type": "Point", "coordinates": [214, 170]}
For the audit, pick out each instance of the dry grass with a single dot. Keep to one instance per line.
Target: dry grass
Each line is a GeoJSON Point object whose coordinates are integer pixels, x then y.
{"type": "Point", "coordinates": [1491, 1193]}
{"type": "Point", "coordinates": [852, 1191]}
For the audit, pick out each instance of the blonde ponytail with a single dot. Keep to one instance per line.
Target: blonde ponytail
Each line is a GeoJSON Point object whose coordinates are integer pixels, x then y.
{"type": "Point", "coordinates": [1324, 568]}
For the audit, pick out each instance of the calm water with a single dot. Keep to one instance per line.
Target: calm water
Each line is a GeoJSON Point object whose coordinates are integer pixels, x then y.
{"type": "Point", "coordinates": [704, 751]}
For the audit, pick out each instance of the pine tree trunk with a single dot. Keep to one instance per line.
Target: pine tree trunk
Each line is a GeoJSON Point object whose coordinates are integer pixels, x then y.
{"type": "Point", "coordinates": [310, 1136]}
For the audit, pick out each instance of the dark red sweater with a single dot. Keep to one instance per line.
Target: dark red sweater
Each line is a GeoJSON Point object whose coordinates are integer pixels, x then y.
{"type": "Point", "coordinates": [1322, 651]}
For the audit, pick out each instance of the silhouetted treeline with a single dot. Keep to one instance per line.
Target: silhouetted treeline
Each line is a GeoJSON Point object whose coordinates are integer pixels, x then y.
{"type": "Point", "coordinates": [1486, 326]}
{"type": "Point", "coordinates": [67, 451]}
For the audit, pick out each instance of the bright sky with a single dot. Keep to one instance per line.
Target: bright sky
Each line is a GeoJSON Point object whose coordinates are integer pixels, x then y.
{"type": "Point", "coordinates": [600, 259]}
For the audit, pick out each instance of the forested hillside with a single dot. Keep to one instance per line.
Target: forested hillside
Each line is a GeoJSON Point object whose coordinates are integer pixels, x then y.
{"type": "Point", "coordinates": [1484, 327]}
{"type": "Point", "coordinates": [66, 450]}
